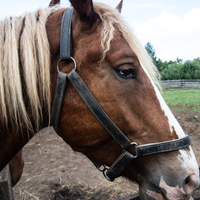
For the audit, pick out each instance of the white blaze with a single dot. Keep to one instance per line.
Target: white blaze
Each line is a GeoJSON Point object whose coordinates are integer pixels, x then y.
{"type": "Point", "coordinates": [188, 160]}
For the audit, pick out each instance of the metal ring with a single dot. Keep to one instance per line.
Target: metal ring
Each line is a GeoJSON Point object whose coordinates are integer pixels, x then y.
{"type": "Point", "coordinates": [105, 175]}
{"type": "Point", "coordinates": [135, 144]}
{"type": "Point", "coordinates": [104, 170]}
{"type": "Point", "coordinates": [100, 168]}
{"type": "Point", "coordinates": [65, 60]}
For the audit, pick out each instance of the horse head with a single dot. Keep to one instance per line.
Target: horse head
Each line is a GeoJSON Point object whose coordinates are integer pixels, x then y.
{"type": "Point", "coordinates": [122, 78]}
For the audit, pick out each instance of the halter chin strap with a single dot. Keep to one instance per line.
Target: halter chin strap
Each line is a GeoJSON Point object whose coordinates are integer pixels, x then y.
{"type": "Point", "coordinates": [126, 157]}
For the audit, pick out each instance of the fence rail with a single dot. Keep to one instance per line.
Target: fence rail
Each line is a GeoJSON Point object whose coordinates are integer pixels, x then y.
{"type": "Point", "coordinates": [5, 184]}
{"type": "Point", "coordinates": [181, 84]}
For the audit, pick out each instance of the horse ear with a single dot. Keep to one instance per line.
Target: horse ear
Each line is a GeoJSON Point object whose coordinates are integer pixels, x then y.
{"type": "Point", "coordinates": [54, 2]}
{"type": "Point", "coordinates": [85, 10]}
{"type": "Point", "coordinates": [119, 6]}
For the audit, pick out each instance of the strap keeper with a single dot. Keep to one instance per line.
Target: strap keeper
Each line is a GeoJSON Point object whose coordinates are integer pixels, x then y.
{"type": "Point", "coordinates": [119, 165]}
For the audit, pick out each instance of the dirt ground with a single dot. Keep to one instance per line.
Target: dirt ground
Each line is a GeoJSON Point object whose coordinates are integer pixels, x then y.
{"type": "Point", "coordinates": [54, 172]}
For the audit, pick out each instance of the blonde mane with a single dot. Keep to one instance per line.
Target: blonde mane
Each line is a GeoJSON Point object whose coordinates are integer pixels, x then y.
{"type": "Point", "coordinates": [24, 66]}
{"type": "Point", "coordinates": [25, 63]}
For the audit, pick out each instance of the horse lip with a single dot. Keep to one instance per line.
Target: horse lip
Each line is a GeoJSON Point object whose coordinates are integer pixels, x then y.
{"type": "Point", "coordinates": [156, 189]}
{"type": "Point", "coordinates": [162, 192]}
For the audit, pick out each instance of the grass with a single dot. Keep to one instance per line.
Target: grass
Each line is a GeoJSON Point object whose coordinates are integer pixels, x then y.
{"type": "Point", "coordinates": [183, 98]}
{"type": "Point", "coordinates": [181, 110]}
{"type": "Point", "coordinates": [178, 118]}
{"type": "Point", "coordinates": [196, 109]}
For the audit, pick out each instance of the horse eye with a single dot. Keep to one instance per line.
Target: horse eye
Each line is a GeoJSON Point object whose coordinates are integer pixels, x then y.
{"type": "Point", "coordinates": [126, 73]}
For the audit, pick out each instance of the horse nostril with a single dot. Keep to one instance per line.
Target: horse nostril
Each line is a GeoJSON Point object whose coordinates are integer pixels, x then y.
{"type": "Point", "coordinates": [190, 183]}
{"type": "Point", "coordinates": [187, 180]}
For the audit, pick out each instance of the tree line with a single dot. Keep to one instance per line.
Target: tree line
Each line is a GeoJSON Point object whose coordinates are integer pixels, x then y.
{"type": "Point", "coordinates": [177, 69]}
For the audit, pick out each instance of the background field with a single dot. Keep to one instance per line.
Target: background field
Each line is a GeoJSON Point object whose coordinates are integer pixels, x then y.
{"type": "Point", "coordinates": [182, 97]}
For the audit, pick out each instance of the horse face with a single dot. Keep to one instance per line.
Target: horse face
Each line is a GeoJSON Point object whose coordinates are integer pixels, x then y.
{"type": "Point", "coordinates": [124, 89]}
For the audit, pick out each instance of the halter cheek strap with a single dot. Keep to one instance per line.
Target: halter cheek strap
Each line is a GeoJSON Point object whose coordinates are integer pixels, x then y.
{"type": "Point", "coordinates": [126, 157]}
{"type": "Point", "coordinates": [62, 80]}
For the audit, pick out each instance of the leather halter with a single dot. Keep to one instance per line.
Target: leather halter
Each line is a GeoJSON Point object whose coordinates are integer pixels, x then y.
{"type": "Point", "coordinates": [126, 157]}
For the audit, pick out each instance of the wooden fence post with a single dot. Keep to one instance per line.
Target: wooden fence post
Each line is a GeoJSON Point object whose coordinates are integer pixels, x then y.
{"type": "Point", "coordinates": [182, 83]}
{"type": "Point", "coordinates": [5, 185]}
{"type": "Point", "coordinates": [168, 84]}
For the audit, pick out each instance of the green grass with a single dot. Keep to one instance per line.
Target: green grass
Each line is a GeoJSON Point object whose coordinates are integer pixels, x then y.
{"type": "Point", "coordinates": [181, 110]}
{"type": "Point", "coordinates": [183, 98]}
{"type": "Point", "coordinates": [178, 118]}
{"type": "Point", "coordinates": [196, 109]}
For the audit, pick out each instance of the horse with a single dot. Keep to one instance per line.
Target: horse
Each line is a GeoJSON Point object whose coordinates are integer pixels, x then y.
{"type": "Point", "coordinates": [130, 127]}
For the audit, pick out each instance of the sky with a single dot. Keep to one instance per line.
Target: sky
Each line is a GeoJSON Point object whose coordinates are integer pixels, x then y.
{"type": "Point", "coordinates": [172, 26]}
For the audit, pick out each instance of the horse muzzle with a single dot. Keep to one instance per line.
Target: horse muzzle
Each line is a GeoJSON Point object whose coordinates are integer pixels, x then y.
{"type": "Point", "coordinates": [163, 191]}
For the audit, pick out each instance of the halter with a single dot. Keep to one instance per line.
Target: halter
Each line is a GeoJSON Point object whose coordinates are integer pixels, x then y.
{"type": "Point", "coordinates": [126, 157]}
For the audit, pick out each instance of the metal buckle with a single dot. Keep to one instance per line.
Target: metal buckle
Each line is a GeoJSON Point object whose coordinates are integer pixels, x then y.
{"type": "Point", "coordinates": [135, 144]}
{"type": "Point", "coordinates": [65, 60]}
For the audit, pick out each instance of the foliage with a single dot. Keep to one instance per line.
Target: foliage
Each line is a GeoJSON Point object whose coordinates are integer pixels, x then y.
{"type": "Point", "coordinates": [173, 70]}
{"type": "Point", "coordinates": [191, 70]}
{"type": "Point", "coordinates": [151, 51]}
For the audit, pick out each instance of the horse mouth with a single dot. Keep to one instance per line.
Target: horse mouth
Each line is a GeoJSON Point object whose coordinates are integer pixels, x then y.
{"type": "Point", "coordinates": [153, 192]}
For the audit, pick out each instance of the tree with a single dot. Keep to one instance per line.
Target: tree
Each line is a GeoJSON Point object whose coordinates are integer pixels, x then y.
{"type": "Point", "coordinates": [172, 70]}
{"type": "Point", "coordinates": [191, 69]}
{"type": "Point", "coordinates": [178, 60]}
{"type": "Point", "coordinates": [161, 65]}
{"type": "Point", "coordinates": [151, 51]}
{"type": "Point", "coordinates": [197, 60]}
{"type": "Point", "coordinates": [158, 62]}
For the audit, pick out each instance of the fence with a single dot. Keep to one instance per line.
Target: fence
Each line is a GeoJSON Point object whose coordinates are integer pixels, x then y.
{"type": "Point", "coordinates": [5, 184]}
{"type": "Point", "coordinates": [181, 84]}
